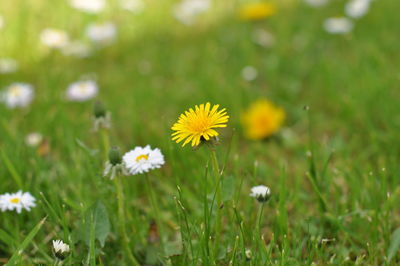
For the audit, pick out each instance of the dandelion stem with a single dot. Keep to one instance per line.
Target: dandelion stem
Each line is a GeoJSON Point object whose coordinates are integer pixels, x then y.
{"type": "Point", "coordinates": [122, 222]}
{"type": "Point", "coordinates": [106, 142]}
{"type": "Point", "coordinates": [217, 174]}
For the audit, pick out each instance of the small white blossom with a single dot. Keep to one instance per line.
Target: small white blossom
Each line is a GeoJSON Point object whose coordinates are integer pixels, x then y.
{"type": "Point", "coordinates": [188, 10]}
{"type": "Point", "coordinates": [134, 6]}
{"type": "Point", "coordinates": [316, 3]}
{"type": "Point", "coordinates": [261, 193]}
{"type": "Point", "coordinates": [17, 201]}
{"type": "Point", "coordinates": [249, 73]}
{"type": "Point", "coordinates": [81, 91]}
{"type": "Point", "coordinates": [89, 6]}
{"type": "Point", "coordinates": [263, 38]}
{"type": "Point", "coordinates": [17, 95]}
{"type": "Point", "coordinates": [102, 33]}
{"type": "Point", "coordinates": [60, 249]}
{"type": "Point", "coordinates": [357, 8]}
{"type": "Point", "coordinates": [143, 159]}
{"type": "Point", "coordinates": [54, 38]}
{"type": "Point", "coordinates": [340, 25]}
{"type": "Point", "coordinates": [8, 65]}
{"type": "Point", "coordinates": [33, 139]}
{"type": "Point", "coordinates": [76, 48]}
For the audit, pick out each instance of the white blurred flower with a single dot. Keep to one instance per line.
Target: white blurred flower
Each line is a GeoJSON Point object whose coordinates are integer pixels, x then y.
{"type": "Point", "coordinates": [263, 38]}
{"type": "Point", "coordinates": [143, 159]}
{"type": "Point", "coordinates": [60, 249]}
{"type": "Point", "coordinates": [1, 22]}
{"type": "Point", "coordinates": [188, 10]}
{"type": "Point", "coordinates": [102, 33]}
{"type": "Point", "coordinates": [134, 6]}
{"type": "Point", "coordinates": [357, 8]}
{"type": "Point", "coordinates": [89, 6]}
{"type": "Point", "coordinates": [17, 201]}
{"type": "Point", "coordinates": [82, 90]}
{"type": "Point", "coordinates": [18, 95]}
{"type": "Point", "coordinates": [340, 25]}
{"type": "Point", "coordinates": [316, 3]}
{"type": "Point", "coordinates": [54, 38]}
{"type": "Point", "coordinates": [8, 65]}
{"type": "Point", "coordinates": [249, 73]}
{"type": "Point", "coordinates": [77, 49]}
{"type": "Point", "coordinates": [261, 193]}
{"type": "Point", "coordinates": [33, 139]}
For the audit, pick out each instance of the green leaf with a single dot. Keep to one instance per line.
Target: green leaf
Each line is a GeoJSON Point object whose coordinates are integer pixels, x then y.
{"type": "Point", "coordinates": [96, 216]}
{"type": "Point", "coordinates": [394, 244]}
{"type": "Point", "coordinates": [25, 243]}
{"type": "Point", "coordinates": [84, 147]}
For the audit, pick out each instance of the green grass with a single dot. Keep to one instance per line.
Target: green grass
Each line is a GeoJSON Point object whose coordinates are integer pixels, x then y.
{"type": "Point", "coordinates": [338, 206]}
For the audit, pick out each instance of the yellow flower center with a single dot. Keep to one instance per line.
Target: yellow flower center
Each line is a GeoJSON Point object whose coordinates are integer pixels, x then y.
{"type": "Point", "coordinates": [15, 200]}
{"type": "Point", "coordinates": [15, 91]}
{"type": "Point", "coordinates": [141, 157]}
{"type": "Point", "coordinates": [82, 88]}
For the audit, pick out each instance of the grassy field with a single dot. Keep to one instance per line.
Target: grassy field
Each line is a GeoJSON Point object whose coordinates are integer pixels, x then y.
{"type": "Point", "coordinates": [333, 169]}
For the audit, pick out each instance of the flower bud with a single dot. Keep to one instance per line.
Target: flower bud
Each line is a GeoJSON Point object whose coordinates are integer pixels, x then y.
{"type": "Point", "coordinates": [261, 193]}
{"type": "Point", "coordinates": [99, 110]}
{"type": "Point", "coordinates": [114, 156]}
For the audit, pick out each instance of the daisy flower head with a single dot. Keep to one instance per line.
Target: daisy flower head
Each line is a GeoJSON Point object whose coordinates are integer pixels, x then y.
{"type": "Point", "coordinates": [8, 65]}
{"type": "Point", "coordinates": [33, 139]}
{"type": "Point", "coordinates": [60, 249]}
{"type": "Point", "coordinates": [357, 8]}
{"type": "Point", "coordinates": [187, 11]}
{"type": "Point", "coordinates": [134, 6]}
{"type": "Point", "coordinates": [316, 3]}
{"type": "Point", "coordinates": [340, 25]}
{"type": "Point", "coordinates": [102, 33]}
{"type": "Point", "coordinates": [249, 73]}
{"type": "Point", "coordinates": [54, 38]}
{"type": "Point", "coordinates": [77, 49]}
{"type": "Point", "coordinates": [257, 11]}
{"type": "Point", "coordinates": [261, 193]}
{"type": "Point", "coordinates": [262, 119]}
{"type": "Point", "coordinates": [199, 124]}
{"type": "Point", "coordinates": [81, 91]}
{"type": "Point", "coordinates": [18, 95]}
{"type": "Point", "coordinates": [17, 201]}
{"type": "Point", "coordinates": [89, 6]}
{"type": "Point", "coordinates": [143, 159]}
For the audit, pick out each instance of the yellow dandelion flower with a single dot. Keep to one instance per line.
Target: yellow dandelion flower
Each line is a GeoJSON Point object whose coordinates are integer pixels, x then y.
{"type": "Point", "coordinates": [262, 119]}
{"type": "Point", "coordinates": [257, 11]}
{"type": "Point", "coordinates": [199, 124]}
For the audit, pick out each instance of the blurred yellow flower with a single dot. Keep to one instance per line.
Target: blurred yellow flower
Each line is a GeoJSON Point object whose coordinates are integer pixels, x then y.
{"type": "Point", "coordinates": [257, 11]}
{"type": "Point", "coordinates": [262, 119]}
{"type": "Point", "coordinates": [198, 125]}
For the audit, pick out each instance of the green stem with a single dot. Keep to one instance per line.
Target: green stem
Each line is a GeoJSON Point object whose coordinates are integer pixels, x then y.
{"type": "Point", "coordinates": [155, 209]}
{"type": "Point", "coordinates": [218, 225]}
{"type": "Point", "coordinates": [122, 222]}
{"type": "Point", "coordinates": [106, 142]}
{"type": "Point", "coordinates": [260, 214]}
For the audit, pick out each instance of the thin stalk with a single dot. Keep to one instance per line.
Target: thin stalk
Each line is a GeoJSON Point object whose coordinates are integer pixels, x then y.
{"type": "Point", "coordinates": [218, 225]}
{"type": "Point", "coordinates": [105, 140]}
{"type": "Point", "coordinates": [155, 209]}
{"type": "Point", "coordinates": [122, 221]}
{"type": "Point", "coordinates": [259, 236]}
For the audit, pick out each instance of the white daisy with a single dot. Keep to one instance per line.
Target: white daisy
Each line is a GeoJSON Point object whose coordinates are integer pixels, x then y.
{"type": "Point", "coordinates": [141, 160]}
{"type": "Point", "coordinates": [263, 38]}
{"type": "Point", "coordinates": [8, 65]}
{"type": "Point", "coordinates": [77, 49]}
{"type": "Point", "coordinates": [89, 6]}
{"type": "Point", "coordinates": [261, 193]}
{"type": "Point", "coordinates": [102, 33]}
{"type": "Point", "coordinates": [60, 248]}
{"type": "Point", "coordinates": [18, 95]}
{"type": "Point", "coordinates": [134, 6]}
{"type": "Point", "coordinates": [17, 201]}
{"type": "Point", "coordinates": [316, 3]}
{"type": "Point", "coordinates": [33, 139]}
{"type": "Point", "coordinates": [54, 38]}
{"type": "Point", "coordinates": [249, 73]}
{"type": "Point", "coordinates": [339, 25]}
{"type": "Point", "coordinates": [81, 91]}
{"type": "Point", "coordinates": [357, 8]}
{"type": "Point", "coordinates": [188, 10]}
